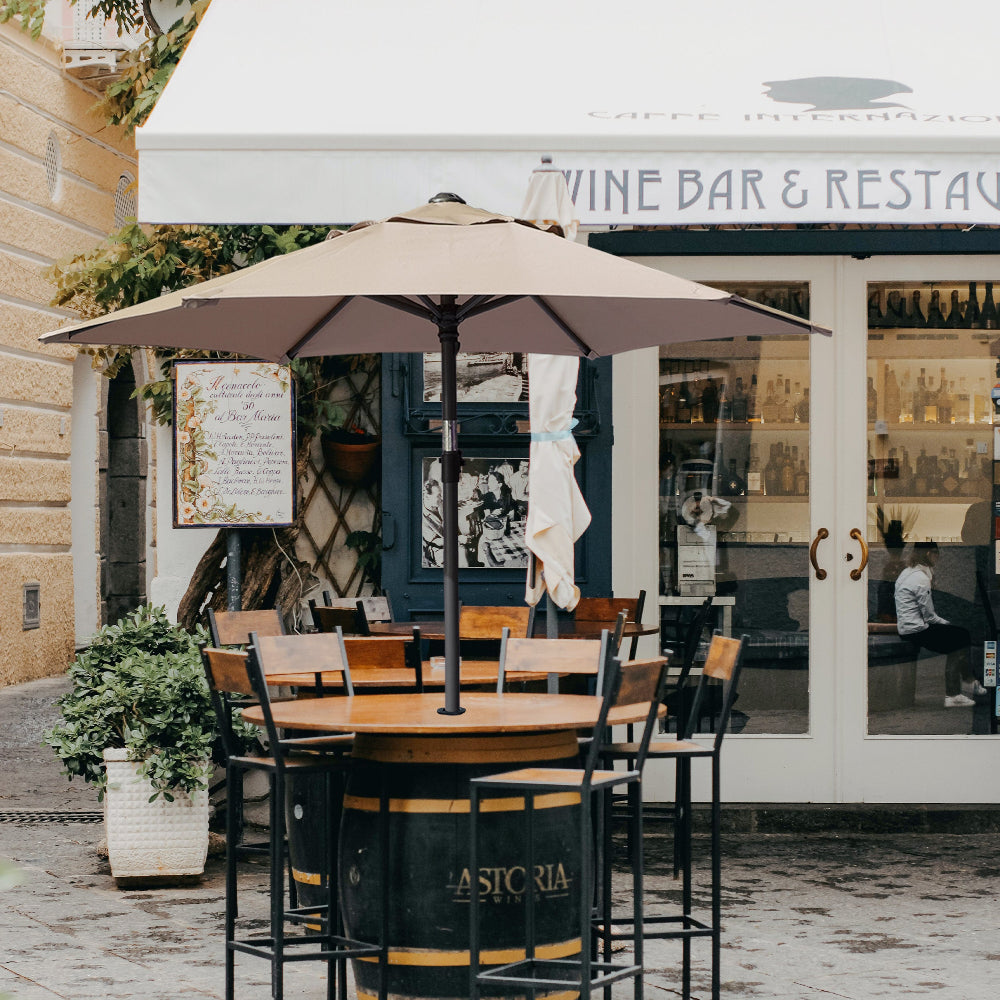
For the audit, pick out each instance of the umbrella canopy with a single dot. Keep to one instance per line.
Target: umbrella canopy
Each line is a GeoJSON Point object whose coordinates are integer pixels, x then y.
{"type": "Point", "coordinates": [415, 282]}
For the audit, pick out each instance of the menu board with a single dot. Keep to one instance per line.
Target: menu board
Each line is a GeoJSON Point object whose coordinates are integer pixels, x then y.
{"type": "Point", "coordinates": [234, 447]}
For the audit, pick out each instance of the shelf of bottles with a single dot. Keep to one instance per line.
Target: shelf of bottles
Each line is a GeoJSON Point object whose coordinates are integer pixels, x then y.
{"type": "Point", "coordinates": [931, 361]}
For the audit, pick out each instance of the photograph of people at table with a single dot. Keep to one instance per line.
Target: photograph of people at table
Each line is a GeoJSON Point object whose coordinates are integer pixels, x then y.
{"type": "Point", "coordinates": [492, 508]}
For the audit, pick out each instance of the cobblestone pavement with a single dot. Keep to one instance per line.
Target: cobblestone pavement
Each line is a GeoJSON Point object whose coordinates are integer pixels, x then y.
{"type": "Point", "coordinates": [807, 916]}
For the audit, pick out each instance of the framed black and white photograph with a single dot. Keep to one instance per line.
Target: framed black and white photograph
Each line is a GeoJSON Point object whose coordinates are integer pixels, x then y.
{"type": "Point", "coordinates": [492, 508]}
{"type": "Point", "coordinates": [482, 378]}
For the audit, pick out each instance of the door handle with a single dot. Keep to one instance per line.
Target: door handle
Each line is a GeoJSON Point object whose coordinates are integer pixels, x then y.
{"type": "Point", "coordinates": [388, 520]}
{"type": "Point", "coordinates": [856, 534]}
{"type": "Point", "coordinates": [820, 535]}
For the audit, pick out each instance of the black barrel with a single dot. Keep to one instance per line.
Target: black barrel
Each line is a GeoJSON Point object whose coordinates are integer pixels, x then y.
{"type": "Point", "coordinates": [429, 879]}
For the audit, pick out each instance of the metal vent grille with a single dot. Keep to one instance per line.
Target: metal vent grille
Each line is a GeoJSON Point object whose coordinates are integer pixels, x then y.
{"type": "Point", "coordinates": [125, 208]}
{"type": "Point", "coordinates": [53, 164]}
{"type": "Point", "coordinates": [33, 817]}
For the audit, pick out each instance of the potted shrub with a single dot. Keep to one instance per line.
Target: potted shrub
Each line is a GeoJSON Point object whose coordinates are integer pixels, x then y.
{"type": "Point", "coordinates": [139, 725]}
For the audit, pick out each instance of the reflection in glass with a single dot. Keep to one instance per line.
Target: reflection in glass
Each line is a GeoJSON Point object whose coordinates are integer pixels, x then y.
{"type": "Point", "coordinates": [931, 363]}
{"type": "Point", "coordinates": [734, 504]}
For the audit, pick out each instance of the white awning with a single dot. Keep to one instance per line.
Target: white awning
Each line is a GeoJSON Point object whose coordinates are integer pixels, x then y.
{"type": "Point", "coordinates": [333, 111]}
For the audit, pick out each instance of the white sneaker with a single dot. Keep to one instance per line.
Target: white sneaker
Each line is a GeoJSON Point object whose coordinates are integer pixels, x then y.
{"type": "Point", "coordinates": [958, 701]}
{"type": "Point", "coordinates": [972, 688]}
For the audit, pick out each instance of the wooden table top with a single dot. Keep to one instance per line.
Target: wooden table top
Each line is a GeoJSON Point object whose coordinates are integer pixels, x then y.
{"type": "Point", "coordinates": [471, 672]}
{"type": "Point", "coordinates": [568, 629]}
{"type": "Point", "coordinates": [417, 714]}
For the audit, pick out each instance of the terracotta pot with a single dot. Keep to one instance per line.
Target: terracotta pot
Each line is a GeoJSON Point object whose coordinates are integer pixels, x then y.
{"type": "Point", "coordinates": [351, 464]}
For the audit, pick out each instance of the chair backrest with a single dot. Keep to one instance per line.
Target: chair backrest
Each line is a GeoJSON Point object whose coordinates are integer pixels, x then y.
{"type": "Point", "coordinates": [386, 652]}
{"type": "Point", "coordinates": [606, 610]}
{"type": "Point", "coordinates": [552, 656]}
{"type": "Point", "coordinates": [690, 642]}
{"type": "Point", "coordinates": [313, 653]}
{"type": "Point", "coordinates": [350, 620]}
{"type": "Point", "coordinates": [629, 683]}
{"type": "Point", "coordinates": [231, 687]}
{"type": "Point", "coordinates": [723, 663]}
{"type": "Point", "coordinates": [485, 622]}
{"type": "Point", "coordinates": [233, 628]}
{"type": "Point", "coordinates": [377, 609]}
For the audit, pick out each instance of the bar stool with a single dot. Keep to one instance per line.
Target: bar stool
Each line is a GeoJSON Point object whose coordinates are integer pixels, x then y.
{"type": "Point", "coordinates": [233, 678]}
{"type": "Point", "coordinates": [634, 683]}
{"type": "Point", "coordinates": [724, 662]}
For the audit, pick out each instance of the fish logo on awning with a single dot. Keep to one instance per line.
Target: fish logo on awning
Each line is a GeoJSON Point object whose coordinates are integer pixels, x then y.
{"type": "Point", "coordinates": [837, 93]}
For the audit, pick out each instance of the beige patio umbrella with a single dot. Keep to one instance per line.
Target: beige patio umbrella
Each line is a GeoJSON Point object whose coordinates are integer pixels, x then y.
{"type": "Point", "coordinates": [417, 282]}
{"type": "Point", "coordinates": [557, 512]}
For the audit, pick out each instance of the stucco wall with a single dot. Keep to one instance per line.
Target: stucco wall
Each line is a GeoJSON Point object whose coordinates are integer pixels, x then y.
{"type": "Point", "coordinates": [59, 168]}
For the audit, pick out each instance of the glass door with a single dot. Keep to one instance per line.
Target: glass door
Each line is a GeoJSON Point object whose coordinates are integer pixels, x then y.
{"type": "Point", "coordinates": [932, 346]}
{"type": "Point", "coordinates": [744, 481]}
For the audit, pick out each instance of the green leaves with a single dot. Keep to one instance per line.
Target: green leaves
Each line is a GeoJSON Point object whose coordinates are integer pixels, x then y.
{"type": "Point", "coordinates": [140, 685]}
{"type": "Point", "coordinates": [31, 13]}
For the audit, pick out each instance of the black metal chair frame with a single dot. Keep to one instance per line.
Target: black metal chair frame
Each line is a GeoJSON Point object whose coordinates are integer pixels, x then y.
{"type": "Point", "coordinates": [683, 751]}
{"type": "Point", "coordinates": [308, 755]}
{"type": "Point", "coordinates": [586, 973]}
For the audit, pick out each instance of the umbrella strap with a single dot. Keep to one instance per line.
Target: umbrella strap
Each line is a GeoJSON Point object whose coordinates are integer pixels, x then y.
{"type": "Point", "coordinates": [555, 435]}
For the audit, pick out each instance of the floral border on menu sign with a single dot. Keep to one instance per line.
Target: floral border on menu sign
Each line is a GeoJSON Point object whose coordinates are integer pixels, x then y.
{"type": "Point", "coordinates": [234, 444]}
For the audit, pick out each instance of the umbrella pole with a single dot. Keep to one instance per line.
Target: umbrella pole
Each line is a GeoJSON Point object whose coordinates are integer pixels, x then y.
{"type": "Point", "coordinates": [451, 464]}
{"type": "Point", "coordinates": [234, 546]}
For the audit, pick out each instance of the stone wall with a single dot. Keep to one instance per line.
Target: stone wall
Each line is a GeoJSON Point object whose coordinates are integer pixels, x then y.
{"type": "Point", "coordinates": [60, 166]}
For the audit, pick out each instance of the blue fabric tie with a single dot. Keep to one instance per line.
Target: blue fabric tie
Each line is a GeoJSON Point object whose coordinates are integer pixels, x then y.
{"type": "Point", "coordinates": [555, 435]}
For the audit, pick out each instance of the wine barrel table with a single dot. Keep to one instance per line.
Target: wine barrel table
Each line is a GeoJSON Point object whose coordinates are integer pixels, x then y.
{"type": "Point", "coordinates": [425, 760]}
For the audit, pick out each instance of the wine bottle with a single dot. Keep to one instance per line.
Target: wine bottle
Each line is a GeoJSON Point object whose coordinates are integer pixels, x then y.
{"type": "Point", "coordinates": [970, 319]}
{"type": "Point", "coordinates": [988, 318]}
{"type": "Point", "coordinates": [954, 320]}
{"type": "Point", "coordinates": [982, 407]}
{"type": "Point", "coordinates": [876, 315]}
{"type": "Point", "coordinates": [786, 412]}
{"type": "Point", "coordinates": [772, 473]}
{"type": "Point", "coordinates": [935, 318]}
{"type": "Point", "coordinates": [931, 402]}
{"type": "Point", "coordinates": [802, 480]}
{"type": "Point", "coordinates": [917, 318]}
{"type": "Point", "coordinates": [872, 401]}
{"type": "Point", "coordinates": [769, 408]}
{"type": "Point", "coordinates": [725, 403]}
{"type": "Point", "coordinates": [920, 397]}
{"type": "Point", "coordinates": [906, 398]}
{"type": "Point", "coordinates": [893, 306]}
{"type": "Point", "coordinates": [892, 399]}
{"type": "Point", "coordinates": [787, 473]}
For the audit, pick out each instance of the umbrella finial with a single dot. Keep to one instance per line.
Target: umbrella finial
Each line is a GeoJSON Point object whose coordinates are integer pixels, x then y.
{"type": "Point", "coordinates": [446, 196]}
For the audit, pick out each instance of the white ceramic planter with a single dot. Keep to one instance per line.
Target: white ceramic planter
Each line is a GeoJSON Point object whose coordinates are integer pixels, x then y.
{"type": "Point", "coordinates": [151, 838]}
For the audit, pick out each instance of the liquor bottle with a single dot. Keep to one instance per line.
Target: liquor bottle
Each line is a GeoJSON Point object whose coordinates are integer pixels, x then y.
{"type": "Point", "coordinates": [772, 473]}
{"type": "Point", "coordinates": [960, 412]}
{"type": "Point", "coordinates": [905, 475]}
{"type": "Point", "coordinates": [954, 320]}
{"type": "Point", "coordinates": [725, 403]}
{"type": "Point", "coordinates": [802, 407]}
{"type": "Point", "coordinates": [917, 317]}
{"type": "Point", "coordinates": [769, 408]}
{"type": "Point", "coordinates": [931, 402]}
{"type": "Point", "coordinates": [753, 401]}
{"type": "Point", "coordinates": [893, 306]}
{"type": "Point", "coordinates": [787, 473]}
{"type": "Point", "coordinates": [739, 402]}
{"type": "Point", "coordinates": [710, 401]}
{"type": "Point", "coordinates": [920, 397]}
{"type": "Point", "coordinates": [970, 319]}
{"type": "Point", "coordinates": [733, 484]}
{"type": "Point", "coordinates": [935, 318]}
{"type": "Point", "coordinates": [920, 474]}
{"type": "Point", "coordinates": [786, 411]}
{"type": "Point", "coordinates": [876, 315]}
{"type": "Point", "coordinates": [668, 407]}
{"type": "Point", "coordinates": [755, 483]}
{"type": "Point", "coordinates": [988, 318]}
{"type": "Point", "coordinates": [802, 480]}
{"type": "Point", "coordinates": [982, 405]}
{"type": "Point", "coordinates": [796, 401]}
{"type": "Point", "coordinates": [891, 399]}
{"type": "Point", "coordinates": [906, 398]}
{"type": "Point", "coordinates": [872, 401]}
{"type": "Point", "coordinates": [945, 403]}
{"type": "Point", "coordinates": [683, 403]}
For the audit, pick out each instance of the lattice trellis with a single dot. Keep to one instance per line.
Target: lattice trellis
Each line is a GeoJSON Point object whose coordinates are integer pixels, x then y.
{"type": "Point", "coordinates": [330, 511]}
